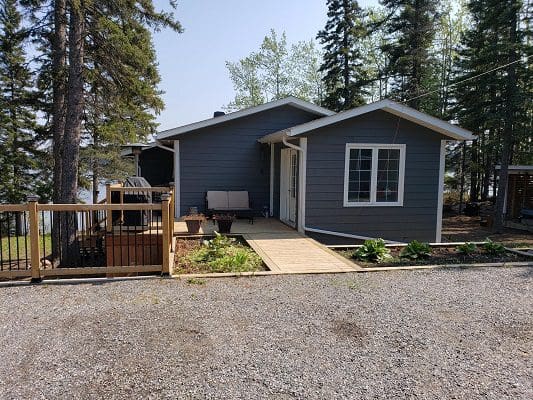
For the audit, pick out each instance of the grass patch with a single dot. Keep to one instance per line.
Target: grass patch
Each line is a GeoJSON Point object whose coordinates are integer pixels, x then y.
{"type": "Point", "coordinates": [219, 254]}
{"type": "Point", "coordinates": [23, 246]}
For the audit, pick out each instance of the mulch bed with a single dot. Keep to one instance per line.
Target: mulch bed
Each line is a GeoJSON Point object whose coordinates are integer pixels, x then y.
{"type": "Point", "coordinates": [440, 256]}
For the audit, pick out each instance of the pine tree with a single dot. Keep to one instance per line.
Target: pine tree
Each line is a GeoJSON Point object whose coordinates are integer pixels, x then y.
{"type": "Point", "coordinates": [343, 67]}
{"type": "Point", "coordinates": [17, 115]}
{"type": "Point", "coordinates": [411, 28]}
{"type": "Point", "coordinates": [496, 105]}
{"type": "Point", "coordinates": [18, 147]}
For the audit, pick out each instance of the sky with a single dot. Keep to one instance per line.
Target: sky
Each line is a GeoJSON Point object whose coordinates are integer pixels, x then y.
{"type": "Point", "coordinates": [192, 64]}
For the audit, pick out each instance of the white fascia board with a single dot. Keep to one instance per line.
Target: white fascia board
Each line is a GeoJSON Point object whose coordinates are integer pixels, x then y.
{"type": "Point", "coordinates": [301, 104]}
{"type": "Point", "coordinates": [390, 106]}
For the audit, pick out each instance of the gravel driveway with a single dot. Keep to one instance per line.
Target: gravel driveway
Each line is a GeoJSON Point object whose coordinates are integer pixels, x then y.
{"type": "Point", "coordinates": [457, 333]}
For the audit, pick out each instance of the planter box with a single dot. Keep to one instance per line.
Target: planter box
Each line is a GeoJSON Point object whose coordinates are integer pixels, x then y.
{"type": "Point", "coordinates": [224, 225]}
{"type": "Point", "coordinates": [193, 225]}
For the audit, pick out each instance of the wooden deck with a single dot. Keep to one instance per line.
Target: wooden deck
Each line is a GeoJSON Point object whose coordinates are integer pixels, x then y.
{"type": "Point", "coordinates": [283, 249]}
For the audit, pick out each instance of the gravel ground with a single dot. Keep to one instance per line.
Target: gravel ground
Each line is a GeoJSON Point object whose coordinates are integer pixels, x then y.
{"type": "Point", "coordinates": [453, 334]}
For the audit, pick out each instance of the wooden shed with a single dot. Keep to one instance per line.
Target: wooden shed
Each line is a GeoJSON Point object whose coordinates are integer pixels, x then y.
{"type": "Point", "coordinates": [519, 195]}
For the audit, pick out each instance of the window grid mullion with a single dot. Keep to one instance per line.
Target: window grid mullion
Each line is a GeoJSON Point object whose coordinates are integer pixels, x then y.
{"type": "Point", "coordinates": [374, 176]}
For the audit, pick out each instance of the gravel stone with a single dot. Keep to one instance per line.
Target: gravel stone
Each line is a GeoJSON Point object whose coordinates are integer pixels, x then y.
{"type": "Point", "coordinates": [450, 333]}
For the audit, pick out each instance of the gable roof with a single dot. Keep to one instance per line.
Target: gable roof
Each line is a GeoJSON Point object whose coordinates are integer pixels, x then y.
{"type": "Point", "coordinates": [293, 101]}
{"type": "Point", "coordinates": [420, 118]}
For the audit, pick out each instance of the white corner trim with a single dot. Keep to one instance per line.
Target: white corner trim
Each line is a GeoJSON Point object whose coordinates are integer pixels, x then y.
{"type": "Point", "coordinates": [177, 179]}
{"type": "Point", "coordinates": [272, 154]}
{"type": "Point", "coordinates": [347, 235]}
{"type": "Point", "coordinates": [302, 172]}
{"type": "Point", "coordinates": [375, 147]}
{"type": "Point", "coordinates": [440, 199]}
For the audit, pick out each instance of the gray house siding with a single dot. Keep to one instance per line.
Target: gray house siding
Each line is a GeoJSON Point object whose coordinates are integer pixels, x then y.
{"type": "Point", "coordinates": [325, 179]}
{"type": "Point", "coordinates": [229, 157]}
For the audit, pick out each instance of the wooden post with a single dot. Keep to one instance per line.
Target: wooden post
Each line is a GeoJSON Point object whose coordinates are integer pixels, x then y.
{"type": "Point", "coordinates": [35, 257]}
{"type": "Point", "coordinates": [172, 204]}
{"type": "Point", "coordinates": [167, 232]}
{"type": "Point", "coordinates": [109, 213]}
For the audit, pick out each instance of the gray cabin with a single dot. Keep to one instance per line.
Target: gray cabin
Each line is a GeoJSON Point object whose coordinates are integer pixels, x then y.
{"type": "Point", "coordinates": [373, 171]}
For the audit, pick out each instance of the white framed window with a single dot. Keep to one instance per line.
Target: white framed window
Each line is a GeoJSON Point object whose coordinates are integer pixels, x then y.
{"type": "Point", "coordinates": [374, 174]}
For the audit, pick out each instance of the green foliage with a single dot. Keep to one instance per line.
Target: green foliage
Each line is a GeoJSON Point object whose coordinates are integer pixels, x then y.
{"type": "Point", "coordinates": [373, 250]}
{"type": "Point", "coordinates": [225, 254]}
{"type": "Point", "coordinates": [20, 157]}
{"type": "Point", "coordinates": [343, 65]}
{"type": "Point", "coordinates": [275, 71]}
{"type": "Point", "coordinates": [416, 250]}
{"type": "Point", "coordinates": [411, 29]}
{"type": "Point", "coordinates": [466, 248]}
{"type": "Point", "coordinates": [492, 105]}
{"type": "Point", "coordinates": [493, 248]}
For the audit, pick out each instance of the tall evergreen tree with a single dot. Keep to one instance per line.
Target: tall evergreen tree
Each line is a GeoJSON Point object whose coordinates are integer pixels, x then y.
{"type": "Point", "coordinates": [411, 28]}
{"type": "Point", "coordinates": [495, 105]}
{"type": "Point", "coordinates": [18, 146]}
{"type": "Point", "coordinates": [343, 67]}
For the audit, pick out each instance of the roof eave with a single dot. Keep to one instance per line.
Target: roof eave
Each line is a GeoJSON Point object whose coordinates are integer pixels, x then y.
{"type": "Point", "coordinates": [297, 103]}
{"type": "Point", "coordinates": [435, 124]}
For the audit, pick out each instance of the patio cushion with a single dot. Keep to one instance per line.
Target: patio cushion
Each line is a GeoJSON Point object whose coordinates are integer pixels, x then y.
{"type": "Point", "coordinates": [238, 200]}
{"type": "Point", "coordinates": [217, 200]}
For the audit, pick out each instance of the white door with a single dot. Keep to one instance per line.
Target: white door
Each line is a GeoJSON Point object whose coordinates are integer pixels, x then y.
{"type": "Point", "coordinates": [288, 186]}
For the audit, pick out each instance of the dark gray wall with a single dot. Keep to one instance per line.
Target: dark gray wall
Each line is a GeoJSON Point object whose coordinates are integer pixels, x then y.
{"type": "Point", "coordinates": [157, 166]}
{"type": "Point", "coordinates": [228, 157]}
{"type": "Point", "coordinates": [325, 179]}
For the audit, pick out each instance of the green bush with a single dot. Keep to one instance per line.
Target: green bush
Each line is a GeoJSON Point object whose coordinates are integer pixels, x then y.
{"type": "Point", "coordinates": [416, 250]}
{"type": "Point", "coordinates": [466, 248]}
{"type": "Point", "coordinates": [373, 250]}
{"type": "Point", "coordinates": [493, 248]}
{"type": "Point", "coordinates": [225, 254]}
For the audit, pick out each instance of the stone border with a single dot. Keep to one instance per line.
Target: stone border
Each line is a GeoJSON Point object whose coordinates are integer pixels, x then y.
{"type": "Point", "coordinates": [363, 270]}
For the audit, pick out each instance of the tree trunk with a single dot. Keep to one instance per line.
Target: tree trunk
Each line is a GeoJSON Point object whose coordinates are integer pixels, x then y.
{"type": "Point", "coordinates": [474, 188]}
{"type": "Point", "coordinates": [508, 131]}
{"type": "Point", "coordinates": [59, 49]}
{"type": "Point", "coordinates": [73, 125]}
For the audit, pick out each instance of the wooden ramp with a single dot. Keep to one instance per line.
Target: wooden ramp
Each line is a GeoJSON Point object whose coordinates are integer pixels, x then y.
{"type": "Point", "coordinates": [292, 253]}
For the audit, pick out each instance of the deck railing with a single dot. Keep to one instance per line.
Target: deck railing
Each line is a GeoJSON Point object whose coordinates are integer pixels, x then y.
{"type": "Point", "coordinates": [89, 240]}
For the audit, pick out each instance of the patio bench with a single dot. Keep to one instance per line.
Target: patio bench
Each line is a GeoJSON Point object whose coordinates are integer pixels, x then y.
{"type": "Point", "coordinates": [229, 202]}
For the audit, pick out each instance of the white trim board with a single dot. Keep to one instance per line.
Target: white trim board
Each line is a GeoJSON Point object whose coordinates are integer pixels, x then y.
{"type": "Point", "coordinates": [272, 160]}
{"type": "Point", "coordinates": [440, 199]}
{"type": "Point", "coordinates": [435, 124]}
{"type": "Point", "coordinates": [375, 147]}
{"type": "Point", "coordinates": [177, 180]}
{"type": "Point", "coordinates": [346, 235]}
{"type": "Point", "coordinates": [293, 101]}
{"type": "Point", "coordinates": [302, 175]}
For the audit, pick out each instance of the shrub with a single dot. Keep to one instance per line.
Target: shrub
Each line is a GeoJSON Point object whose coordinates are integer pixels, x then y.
{"type": "Point", "coordinates": [466, 248]}
{"type": "Point", "coordinates": [373, 250]}
{"type": "Point", "coordinates": [416, 250]}
{"type": "Point", "coordinates": [493, 248]}
{"type": "Point", "coordinates": [225, 254]}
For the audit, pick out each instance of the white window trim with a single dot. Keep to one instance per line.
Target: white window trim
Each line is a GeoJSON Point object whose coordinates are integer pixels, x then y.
{"type": "Point", "coordinates": [373, 185]}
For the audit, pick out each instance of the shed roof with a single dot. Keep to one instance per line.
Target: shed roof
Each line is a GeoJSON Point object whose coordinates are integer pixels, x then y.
{"type": "Point", "coordinates": [420, 118]}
